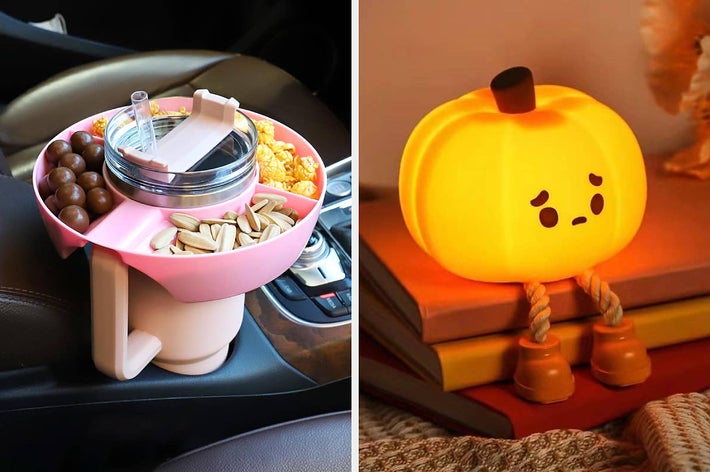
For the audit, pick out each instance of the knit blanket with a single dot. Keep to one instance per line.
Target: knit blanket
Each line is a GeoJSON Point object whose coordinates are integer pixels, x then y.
{"type": "Point", "coordinates": [671, 434]}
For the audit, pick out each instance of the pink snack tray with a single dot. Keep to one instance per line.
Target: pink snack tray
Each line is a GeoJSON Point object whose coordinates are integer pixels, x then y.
{"type": "Point", "coordinates": [128, 228]}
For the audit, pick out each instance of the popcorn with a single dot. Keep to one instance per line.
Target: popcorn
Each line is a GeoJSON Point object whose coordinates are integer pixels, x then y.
{"type": "Point", "coordinates": [98, 126]}
{"type": "Point", "coordinates": [154, 107]}
{"type": "Point", "coordinates": [281, 146]}
{"type": "Point", "coordinates": [241, 123]}
{"type": "Point", "coordinates": [155, 110]}
{"type": "Point", "coordinates": [305, 188]}
{"type": "Point", "coordinates": [285, 157]}
{"type": "Point", "coordinates": [264, 153]}
{"type": "Point", "coordinates": [266, 131]}
{"type": "Point", "coordinates": [275, 184]}
{"type": "Point", "coordinates": [305, 168]}
{"type": "Point", "coordinates": [273, 169]}
{"type": "Point", "coordinates": [281, 167]}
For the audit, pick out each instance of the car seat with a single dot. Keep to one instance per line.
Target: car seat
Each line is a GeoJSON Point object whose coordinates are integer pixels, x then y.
{"type": "Point", "coordinates": [29, 121]}
{"type": "Point", "coordinates": [312, 444]}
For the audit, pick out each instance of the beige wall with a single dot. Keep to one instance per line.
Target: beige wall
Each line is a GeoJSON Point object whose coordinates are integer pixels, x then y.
{"type": "Point", "coordinates": [416, 54]}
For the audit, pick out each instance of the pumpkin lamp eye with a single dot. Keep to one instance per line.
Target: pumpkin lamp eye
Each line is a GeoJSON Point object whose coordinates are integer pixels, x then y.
{"type": "Point", "coordinates": [597, 202]}
{"type": "Point", "coordinates": [548, 215]}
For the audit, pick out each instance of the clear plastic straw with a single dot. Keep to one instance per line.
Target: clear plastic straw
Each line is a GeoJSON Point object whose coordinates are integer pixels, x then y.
{"type": "Point", "coordinates": [144, 122]}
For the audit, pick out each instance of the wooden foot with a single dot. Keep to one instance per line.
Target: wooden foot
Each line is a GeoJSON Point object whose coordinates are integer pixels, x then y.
{"type": "Point", "coordinates": [542, 374]}
{"type": "Point", "coordinates": [619, 358]}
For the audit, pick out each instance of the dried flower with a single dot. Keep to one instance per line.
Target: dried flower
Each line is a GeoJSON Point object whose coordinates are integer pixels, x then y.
{"type": "Point", "coordinates": [671, 31]}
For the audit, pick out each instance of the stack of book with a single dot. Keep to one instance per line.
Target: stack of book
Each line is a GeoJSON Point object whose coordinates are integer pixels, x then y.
{"type": "Point", "coordinates": [446, 347]}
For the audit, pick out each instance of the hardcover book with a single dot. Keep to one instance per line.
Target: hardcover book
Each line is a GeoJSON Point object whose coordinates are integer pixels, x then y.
{"type": "Point", "coordinates": [479, 360]}
{"type": "Point", "coordinates": [495, 409]}
{"type": "Point", "coordinates": [668, 259]}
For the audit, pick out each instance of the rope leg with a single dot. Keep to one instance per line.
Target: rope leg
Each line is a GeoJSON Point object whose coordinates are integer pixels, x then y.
{"type": "Point", "coordinates": [539, 314]}
{"type": "Point", "coordinates": [607, 301]}
{"type": "Point", "coordinates": [542, 373]}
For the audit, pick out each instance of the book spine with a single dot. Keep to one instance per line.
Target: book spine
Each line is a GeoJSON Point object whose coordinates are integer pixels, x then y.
{"type": "Point", "coordinates": [486, 359]}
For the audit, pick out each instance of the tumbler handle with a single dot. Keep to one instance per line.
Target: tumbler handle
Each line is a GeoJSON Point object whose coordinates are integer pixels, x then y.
{"type": "Point", "coordinates": [116, 352]}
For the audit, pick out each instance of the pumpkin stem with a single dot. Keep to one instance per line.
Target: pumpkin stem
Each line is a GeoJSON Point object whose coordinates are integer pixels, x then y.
{"type": "Point", "coordinates": [514, 90]}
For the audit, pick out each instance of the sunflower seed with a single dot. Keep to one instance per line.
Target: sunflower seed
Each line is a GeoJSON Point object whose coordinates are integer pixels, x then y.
{"type": "Point", "coordinates": [227, 236]}
{"type": "Point", "coordinates": [290, 212]}
{"type": "Point", "coordinates": [163, 250]}
{"type": "Point", "coordinates": [185, 221]}
{"type": "Point", "coordinates": [215, 231]}
{"type": "Point", "coordinates": [245, 240]}
{"type": "Point", "coordinates": [282, 217]}
{"type": "Point", "coordinates": [279, 199]}
{"type": "Point", "coordinates": [269, 207]}
{"type": "Point", "coordinates": [243, 224]}
{"type": "Point", "coordinates": [263, 220]}
{"type": "Point", "coordinates": [283, 224]}
{"type": "Point", "coordinates": [254, 221]}
{"type": "Point", "coordinates": [196, 250]}
{"type": "Point", "coordinates": [198, 240]}
{"type": "Point", "coordinates": [260, 204]}
{"type": "Point", "coordinates": [205, 230]}
{"type": "Point", "coordinates": [218, 221]}
{"type": "Point", "coordinates": [271, 231]}
{"type": "Point", "coordinates": [179, 252]}
{"type": "Point", "coordinates": [164, 237]}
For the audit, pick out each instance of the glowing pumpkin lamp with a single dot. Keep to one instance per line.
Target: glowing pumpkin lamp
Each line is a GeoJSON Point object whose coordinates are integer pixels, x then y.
{"type": "Point", "coordinates": [530, 184]}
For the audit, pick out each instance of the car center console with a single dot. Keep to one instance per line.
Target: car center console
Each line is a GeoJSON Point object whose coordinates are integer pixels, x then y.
{"type": "Point", "coordinates": [306, 312]}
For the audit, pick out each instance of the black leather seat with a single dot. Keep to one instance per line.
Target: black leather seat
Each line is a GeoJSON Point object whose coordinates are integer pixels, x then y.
{"type": "Point", "coordinates": [32, 119]}
{"type": "Point", "coordinates": [44, 300]}
{"type": "Point", "coordinates": [313, 444]}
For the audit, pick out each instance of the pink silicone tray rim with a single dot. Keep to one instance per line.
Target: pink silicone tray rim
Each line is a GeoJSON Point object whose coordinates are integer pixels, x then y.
{"type": "Point", "coordinates": [130, 226]}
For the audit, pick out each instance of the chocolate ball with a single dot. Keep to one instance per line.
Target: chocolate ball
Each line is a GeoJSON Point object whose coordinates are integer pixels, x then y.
{"type": "Point", "coordinates": [58, 177]}
{"type": "Point", "coordinates": [70, 194]}
{"type": "Point", "coordinates": [75, 217]}
{"type": "Point", "coordinates": [43, 187]}
{"type": "Point", "coordinates": [56, 149]}
{"type": "Point", "coordinates": [51, 204]}
{"type": "Point", "coordinates": [73, 161]}
{"type": "Point", "coordinates": [79, 140]}
{"type": "Point", "coordinates": [99, 200]}
{"type": "Point", "coordinates": [93, 154]}
{"type": "Point", "coordinates": [90, 179]}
